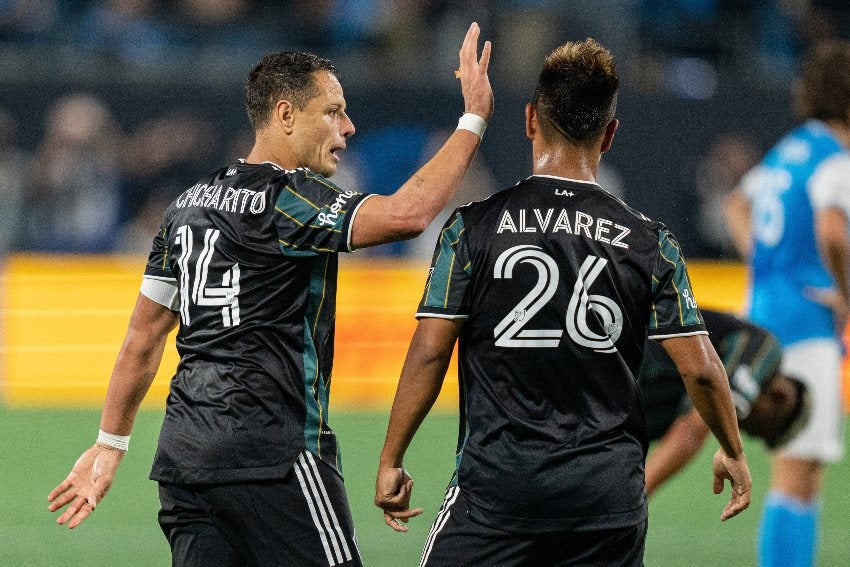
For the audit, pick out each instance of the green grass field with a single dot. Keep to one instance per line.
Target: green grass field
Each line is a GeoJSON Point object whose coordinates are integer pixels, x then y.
{"type": "Point", "coordinates": [38, 447]}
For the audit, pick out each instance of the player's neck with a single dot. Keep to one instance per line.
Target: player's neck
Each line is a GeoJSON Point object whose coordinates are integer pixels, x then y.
{"type": "Point", "coordinates": [563, 160]}
{"type": "Point", "coordinates": [265, 151]}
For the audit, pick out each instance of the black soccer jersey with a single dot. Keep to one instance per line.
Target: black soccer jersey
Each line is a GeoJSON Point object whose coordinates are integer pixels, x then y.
{"type": "Point", "coordinates": [750, 354]}
{"type": "Point", "coordinates": [559, 283]}
{"type": "Point", "coordinates": [253, 252]}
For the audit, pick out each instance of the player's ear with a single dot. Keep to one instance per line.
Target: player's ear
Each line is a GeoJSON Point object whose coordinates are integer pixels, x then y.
{"type": "Point", "coordinates": [284, 115]}
{"type": "Point", "coordinates": [608, 136]}
{"type": "Point", "coordinates": [531, 125]}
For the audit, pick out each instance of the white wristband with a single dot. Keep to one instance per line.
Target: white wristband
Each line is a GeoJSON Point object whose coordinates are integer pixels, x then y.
{"type": "Point", "coordinates": [473, 123]}
{"type": "Point", "coordinates": [120, 442]}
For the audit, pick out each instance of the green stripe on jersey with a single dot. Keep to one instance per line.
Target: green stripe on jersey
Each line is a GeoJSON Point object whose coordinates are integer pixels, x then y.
{"type": "Point", "coordinates": [439, 284]}
{"type": "Point", "coordinates": [315, 389]}
{"type": "Point", "coordinates": [670, 252]}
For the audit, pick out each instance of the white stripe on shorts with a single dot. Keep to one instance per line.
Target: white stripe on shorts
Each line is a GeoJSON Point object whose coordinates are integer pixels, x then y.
{"type": "Point", "coordinates": [319, 513]}
{"type": "Point", "coordinates": [327, 501]}
{"type": "Point", "coordinates": [439, 523]}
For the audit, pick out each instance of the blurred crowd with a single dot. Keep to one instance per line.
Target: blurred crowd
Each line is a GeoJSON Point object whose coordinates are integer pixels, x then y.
{"type": "Point", "coordinates": [94, 171]}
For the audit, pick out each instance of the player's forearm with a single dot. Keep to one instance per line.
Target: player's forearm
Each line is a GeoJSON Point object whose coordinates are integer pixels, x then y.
{"type": "Point", "coordinates": [677, 448]}
{"type": "Point", "coordinates": [835, 247]}
{"type": "Point", "coordinates": [136, 365]}
{"type": "Point", "coordinates": [418, 387]}
{"type": "Point", "coordinates": [416, 394]}
{"type": "Point", "coordinates": [131, 379]}
{"type": "Point", "coordinates": [418, 202]}
{"type": "Point", "coordinates": [710, 394]}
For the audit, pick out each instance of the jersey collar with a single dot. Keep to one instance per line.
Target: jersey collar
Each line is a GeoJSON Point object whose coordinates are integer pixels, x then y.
{"type": "Point", "coordinates": [583, 181]}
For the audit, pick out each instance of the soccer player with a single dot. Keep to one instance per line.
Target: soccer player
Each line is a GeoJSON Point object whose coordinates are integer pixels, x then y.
{"type": "Point", "coordinates": [770, 406]}
{"type": "Point", "coordinates": [246, 260]}
{"type": "Point", "coordinates": [789, 220]}
{"type": "Point", "coordinates": [552, 286]}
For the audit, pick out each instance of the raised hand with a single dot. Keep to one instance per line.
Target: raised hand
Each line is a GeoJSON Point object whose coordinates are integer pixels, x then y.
{"type": "Point", "coordinates": [474, 81]}
{"type": "Point", "coordinates": [85, 486]}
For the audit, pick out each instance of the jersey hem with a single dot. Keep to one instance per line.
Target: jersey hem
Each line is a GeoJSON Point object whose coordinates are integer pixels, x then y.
{"type": "Point", "coordinates": [673, 335]}
{"type": "Point", "coordinates": [429, 315]}
{"type": "Point", "coordinates": [512, 524]}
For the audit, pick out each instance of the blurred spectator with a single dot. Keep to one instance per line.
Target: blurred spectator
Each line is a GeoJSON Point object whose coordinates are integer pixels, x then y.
{"type": "Point", "coordinates": [218, 24]}
{"type": "Point", "coordinates": [165, 155]}
{"type": "Point", "coordinates": [13, 163]}
{"type": "Point", "coordinates": [32, 21]}
{"type": "Point", "coordinates": [135, 237]}
{"type": "Point", "coordinates": [127, 28]}
{"type": "Point", "coordinates": [729, 157]}
{"type": "Point", "coordinates": [74, 200]}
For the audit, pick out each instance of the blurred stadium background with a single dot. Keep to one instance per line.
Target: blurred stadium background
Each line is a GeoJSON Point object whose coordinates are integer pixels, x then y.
{"type": "Point", "coordinates": [108, 108]}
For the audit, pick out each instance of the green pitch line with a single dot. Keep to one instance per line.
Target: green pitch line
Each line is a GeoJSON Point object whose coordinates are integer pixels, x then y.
{"type": "Point", "coordinates": [39, 447]}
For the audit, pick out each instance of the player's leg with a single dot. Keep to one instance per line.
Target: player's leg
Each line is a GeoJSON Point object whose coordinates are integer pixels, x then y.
{"type": "Point", "coordinates": [788, 534]}
{"type": "Point", "coordinates": [301, 520]}
{"type": "Point", "coordinates": [194, 539]}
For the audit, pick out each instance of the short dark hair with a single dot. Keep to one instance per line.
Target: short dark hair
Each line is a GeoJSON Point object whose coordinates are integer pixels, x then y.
{"type": "Point", "coordinates": [287, 75]}
{"type": "Point", "coordinates": [576, 92]}
{"type": "Point", "coordinates": [824, 87]}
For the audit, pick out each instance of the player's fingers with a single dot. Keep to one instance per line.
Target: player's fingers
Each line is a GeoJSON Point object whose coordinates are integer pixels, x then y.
{"type": "Point", "coordinates": [71, 511]}
{"type": "Point", "coordinates": [405, 515]}
{"type": "Point", "coordinates": [85, 511]}
{"type": "Point", "coordinates": [469, 49]}
{"type": "Point", "coordinates": [718, 484]}
{"type": "Point", "coordinates": [62, 487]}
{"type": "Point", "coordinates": [394, 523]}
{"type": "Point", "coordinates": [732, 509]}
{"type": "Point", "coordinates": [484, 62]}
{"type": "Point", "coordinates": [62, 499]}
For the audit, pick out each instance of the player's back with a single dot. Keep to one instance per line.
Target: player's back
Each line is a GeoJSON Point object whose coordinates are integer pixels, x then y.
{"type": "Point", "coordinates": [560, 281]}
{"type": "Point", "coordinates": [253, 251]}
{"type": "Point", "coordinates": [785, 260]}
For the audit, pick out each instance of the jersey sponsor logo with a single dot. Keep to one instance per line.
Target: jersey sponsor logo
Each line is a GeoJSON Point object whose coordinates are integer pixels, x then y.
{"type": "Point", "coordinates": [511, 331]}
{"type": "Point", "coordinates": [231, 172]}
{"type": "Point", "coordinates": [564, 193]}
{"type": "Point", "coordinates": [330, 218]}
{"type": "Point", "coordinates": [690, 300]}
{"type": "Point", "coordinates": [227, 199]}
{"type": "Point", "coordinates": [576, 223]}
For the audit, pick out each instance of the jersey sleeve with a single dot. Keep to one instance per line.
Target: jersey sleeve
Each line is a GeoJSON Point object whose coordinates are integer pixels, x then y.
{"type": "Point", "coordinates": [447, 288]}
{"type": "Point", "coordinates": [159, 283]}
{"type": "Point", "coordinates": [314, 216]}
{"type": "Point", "coordinates": [829, 185]}
{"type": "Point", "coordinates": [674, 309]}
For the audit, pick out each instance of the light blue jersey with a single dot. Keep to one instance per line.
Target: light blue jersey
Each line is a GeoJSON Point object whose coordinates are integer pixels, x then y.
{"type": "Point", "coordinates": [786, 265]}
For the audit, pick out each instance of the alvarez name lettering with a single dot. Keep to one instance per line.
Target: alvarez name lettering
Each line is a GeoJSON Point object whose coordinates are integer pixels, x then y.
{"type": "Point", "coordinates": [568, 222]}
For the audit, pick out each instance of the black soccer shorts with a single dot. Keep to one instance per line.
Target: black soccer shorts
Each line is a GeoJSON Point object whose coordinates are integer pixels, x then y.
{"type": "Point", "coordinates": [303, 520]}
{"type": "Point", "coordinates": [455, 540]}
